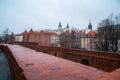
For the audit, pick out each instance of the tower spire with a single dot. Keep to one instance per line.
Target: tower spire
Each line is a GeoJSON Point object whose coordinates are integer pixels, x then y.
{"type": "Point", "coordinates": [90, 25]}
{"type": "Point", "coordinates": [60, 28]}
{"type": "Point", "coordinates": [67, 25]}
{"type": "Point", "coordinates": [60, 24]}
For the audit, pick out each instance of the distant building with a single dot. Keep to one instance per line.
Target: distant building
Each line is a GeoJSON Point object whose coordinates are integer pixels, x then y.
{"type": "Point", "coordinates": [12, 38]}
{"type": "Point", "coordinates": [90, 25]}
{"type": "Point", "coordinates": [25, 36]}
{"type": "Point", "coordinates": [62, 37]}
{"type": "Point", "coordinates": [33, 36]}
{"type": "Point", "coordinates": [65, 39]}
{"type": "Point", "coordinates": [61, 30]}
{"type": "Point", "coordinates": [76, 39]}
{"type": "Point", "coordinates": [43, 37]}
{"type": "Point", "coordinates": [88, 38]}
{"type": "Point", "coordinates": [18, 38]}
{"type": "Point", "coordinates": [58, 32]}
{"type": "Point", "coordinates": [54, 39]}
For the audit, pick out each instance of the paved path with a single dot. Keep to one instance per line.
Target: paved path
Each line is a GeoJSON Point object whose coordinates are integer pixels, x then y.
{"type": "Point", "coordinates": [4, 68]}
{"type": "Point", "coordinates": [41, 66]}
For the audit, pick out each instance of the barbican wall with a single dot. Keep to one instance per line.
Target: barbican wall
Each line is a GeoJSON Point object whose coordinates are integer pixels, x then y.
{"type": "Point", "coordinates": [98, 59]}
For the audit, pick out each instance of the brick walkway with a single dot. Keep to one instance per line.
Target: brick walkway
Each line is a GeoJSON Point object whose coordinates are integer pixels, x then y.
{"type": "Point", "coordinates": [4, 68]}
{"type": "Point", "coordinates": [41, 66]}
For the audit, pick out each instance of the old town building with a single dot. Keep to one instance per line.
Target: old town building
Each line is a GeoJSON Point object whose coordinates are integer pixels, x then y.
{"type": "Point", "coordinates": [25, 36]}
{"type": "Point", "coordinates": [45, 38]}
{"type": "Point", "coordinates": [18, 38]}
{"type": "Point", "coordinates": [42, 37]}
{"type": "Point", "coordinates": [63, 37]}
{"type": "Point", "coordinates": [76, 39]}
{"type": "Point", "coordinates": [88, 38]}
{"type": "Point", "coordinates": [54, 39]}
{"type": "Point", "coordinates": [33, 36]}
{"type": "Point", "coordinates": [12, 38]}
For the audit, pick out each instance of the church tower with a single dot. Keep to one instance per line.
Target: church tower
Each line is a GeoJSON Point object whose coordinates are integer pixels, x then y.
{"type": "Point", "coordinates": [67, 27]}
{"type": "Point", "coordinates": [90, 25]}
{"type": "Point", "coordinates": [60, 28]}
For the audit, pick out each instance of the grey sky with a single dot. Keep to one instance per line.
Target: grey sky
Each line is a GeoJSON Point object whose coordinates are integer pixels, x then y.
{"type": "Point", "coordinates": [18, 15]}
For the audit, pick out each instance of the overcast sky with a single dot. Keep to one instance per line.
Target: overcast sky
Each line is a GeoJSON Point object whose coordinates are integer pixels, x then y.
{"type": "Point", "coordinates": [18, 15]}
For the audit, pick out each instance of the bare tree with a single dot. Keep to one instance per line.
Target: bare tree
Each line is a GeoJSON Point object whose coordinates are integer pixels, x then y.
{"type": "Point", "coordinates": [0, 39]}
{"type": "Point", "coordinates": [6, 35]}
{"type": "Point", "coordinates": [117, 19]}
{"type": "Point", "coordinates": [108, 33]}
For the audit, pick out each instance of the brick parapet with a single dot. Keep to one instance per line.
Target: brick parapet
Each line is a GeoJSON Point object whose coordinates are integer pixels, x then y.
{"type": "Point", "coordinates": [102, 60]}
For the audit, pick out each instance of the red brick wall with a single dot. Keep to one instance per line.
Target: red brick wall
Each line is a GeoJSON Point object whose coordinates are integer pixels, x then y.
{"type": "Point", "coordinates": [101, 60]}
{"type": "Point", "coordinates": [17, 72]}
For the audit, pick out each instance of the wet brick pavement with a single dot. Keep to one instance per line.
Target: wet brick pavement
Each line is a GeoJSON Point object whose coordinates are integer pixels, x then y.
{"type": "Point", "coordinates": [4, 68]}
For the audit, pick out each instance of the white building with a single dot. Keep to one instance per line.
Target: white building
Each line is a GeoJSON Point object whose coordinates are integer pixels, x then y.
{"type": "Point", "coordinates": [54, 39]}
{"type": "Point", "coordinates": [18, 38]}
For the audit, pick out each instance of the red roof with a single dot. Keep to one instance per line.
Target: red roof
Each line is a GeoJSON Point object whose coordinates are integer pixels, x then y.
{"type": "Point", "coordinates": [31, 31]}
{"type": "Point", "coordinates": [42, 32]}
{"type": "Point", "coordinates": [25, 32]}
{"type": "Point", "coordinates": [80, 32]}
{"type": "Point", "coordinates": [92, 33]}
